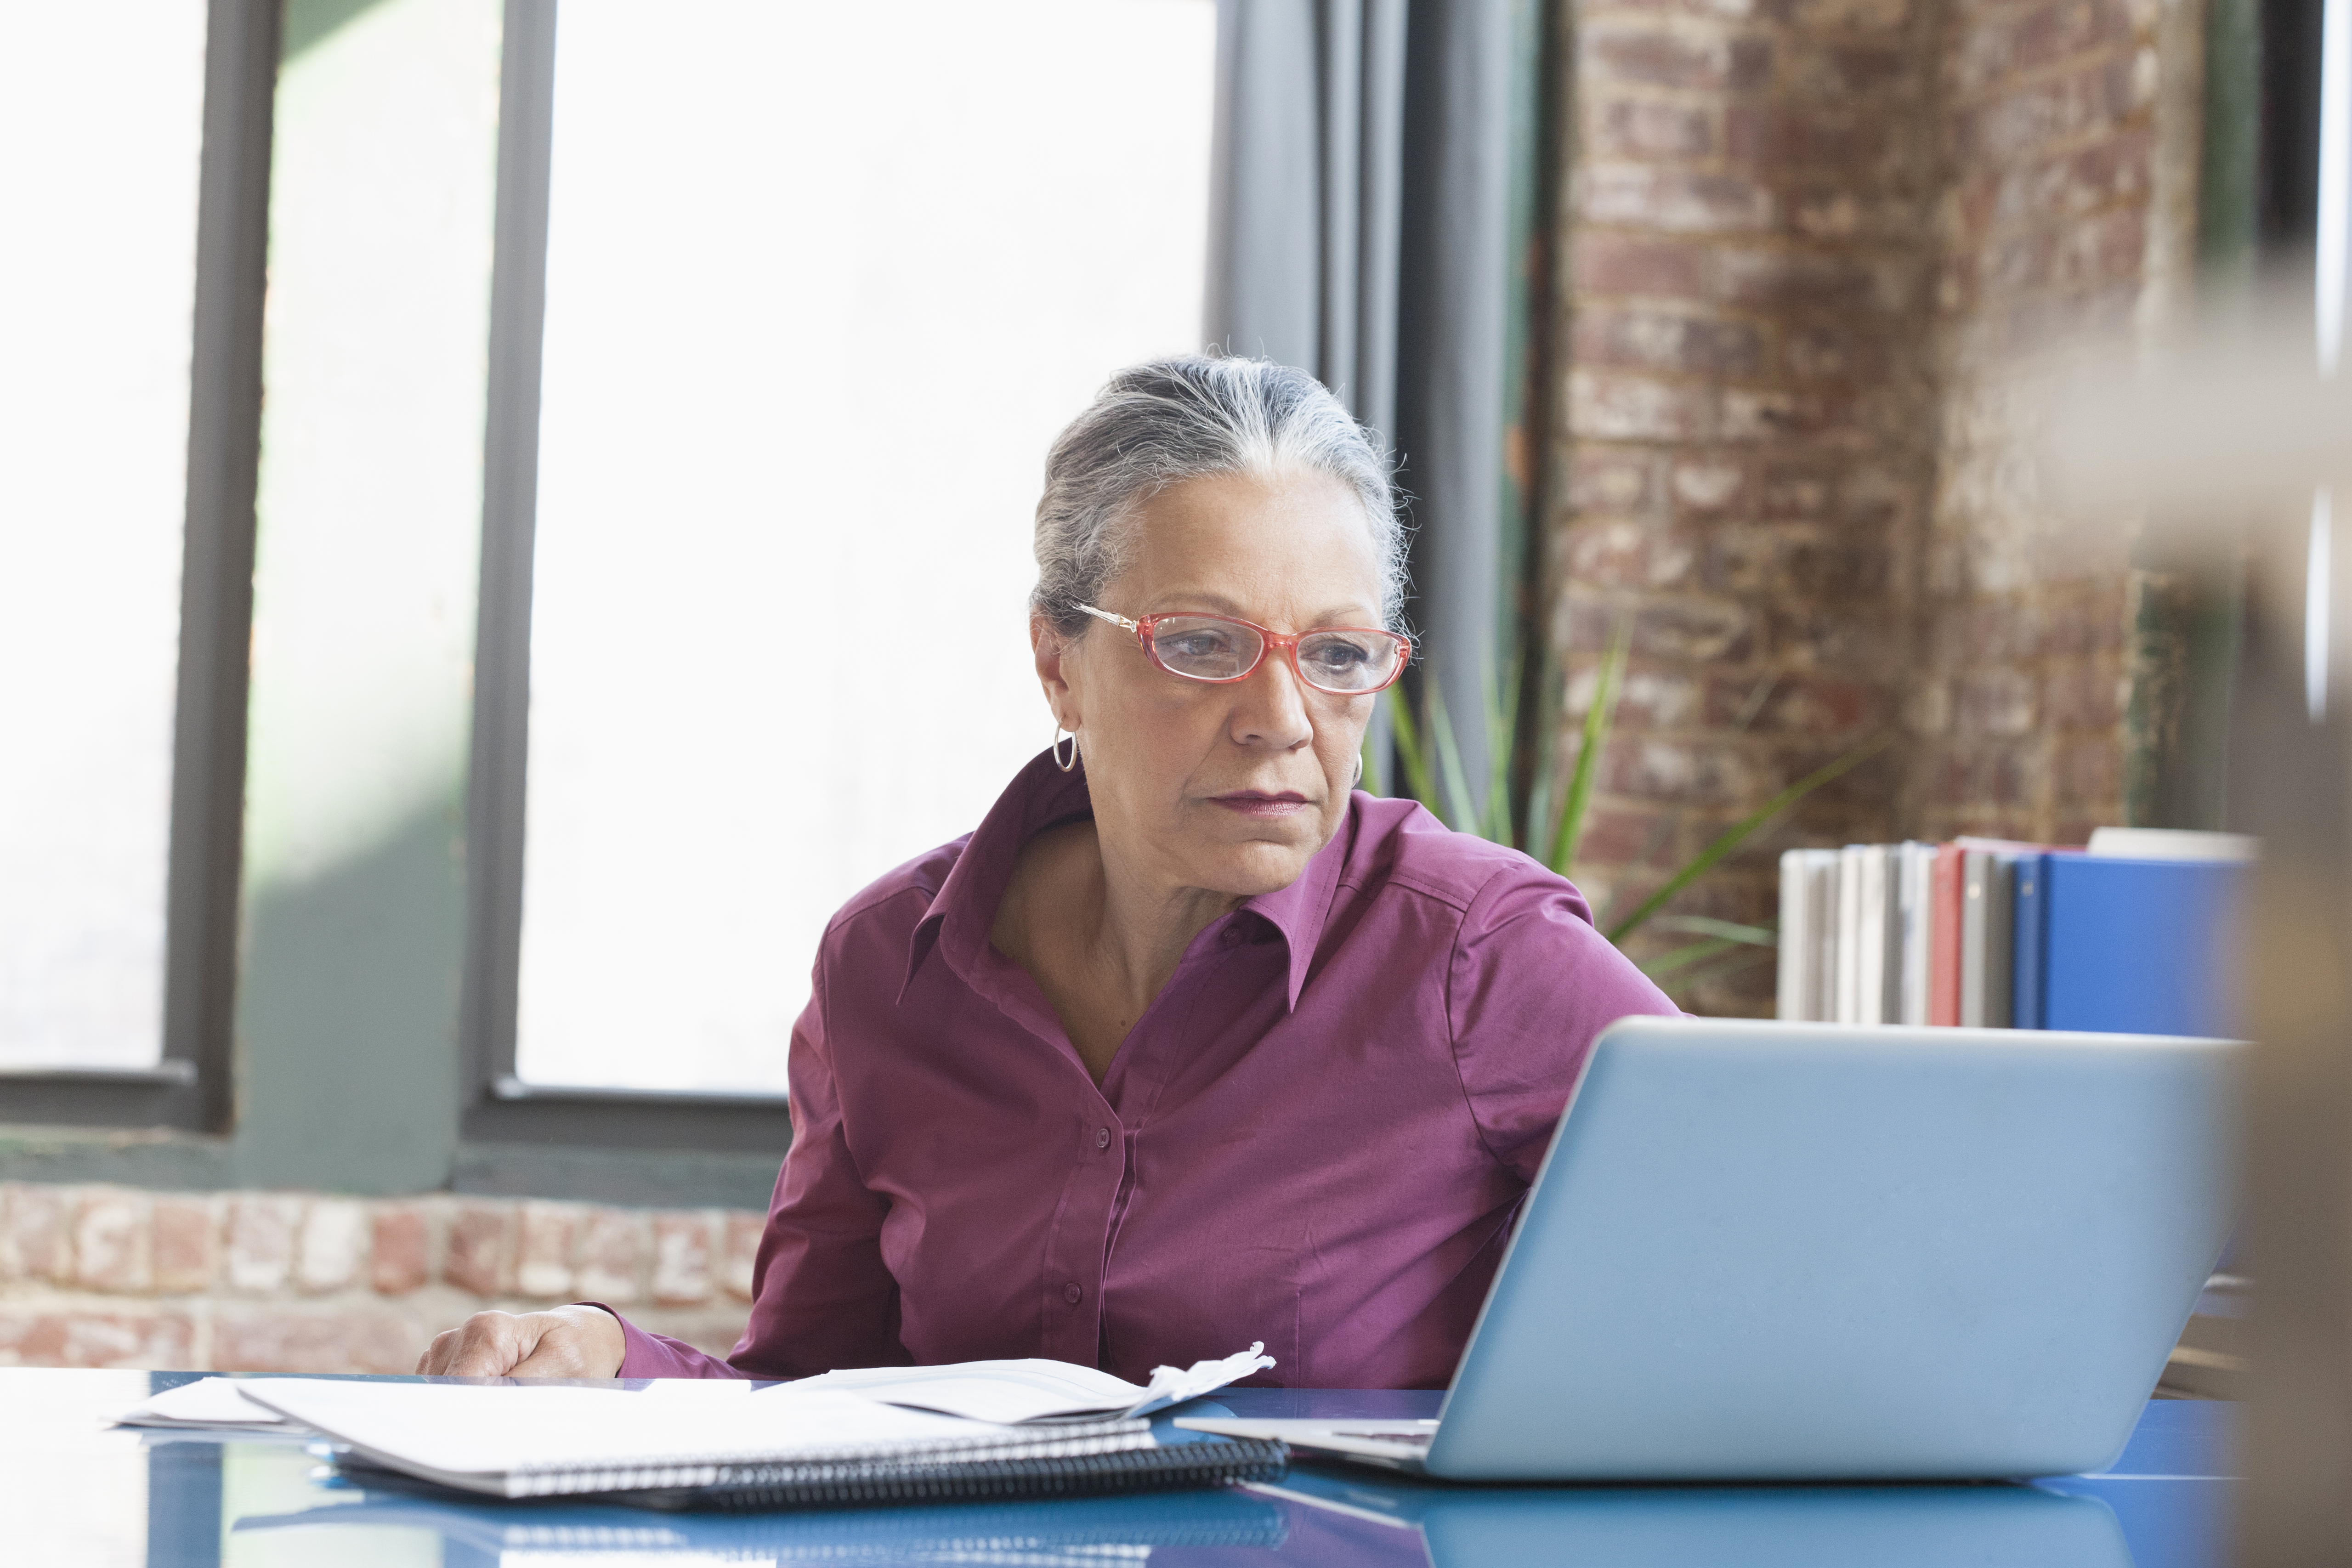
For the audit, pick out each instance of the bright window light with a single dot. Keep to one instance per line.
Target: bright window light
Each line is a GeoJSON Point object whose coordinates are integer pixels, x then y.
{"type": "Point", "coordinates": [824, 281]}
{"type": "Point", "coordinates": [101, 111]}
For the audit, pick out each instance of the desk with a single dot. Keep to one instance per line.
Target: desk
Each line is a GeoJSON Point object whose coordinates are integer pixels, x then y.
{"type": "Point", "coordinates": [76, 1494]}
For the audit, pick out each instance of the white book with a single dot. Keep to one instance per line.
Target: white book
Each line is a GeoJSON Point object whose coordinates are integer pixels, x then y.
{"type": "Point", "coordinates": [2172, 844]}
{"type": "Point", "coordinates": [1847, 943]}
{"type": "Point", "coordinates": [1870, 934]}
{"type": "Point", "coordinates": [1915, 875]}
{"type": "Point", "coordinates": [1789, 1000]}
{"type": "Point", "coordinates": [1822, 904]}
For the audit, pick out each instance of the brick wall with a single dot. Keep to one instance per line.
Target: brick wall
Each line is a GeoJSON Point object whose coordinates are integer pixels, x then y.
{"type": "Point", "coordinates": [1746, 434]}
{"type": "Point", "coordinates": [253, 1282]}
{"type": "Point", "coordinates": [2051, 130]}
{"type": "Point", "coordinates": [1817, 256]}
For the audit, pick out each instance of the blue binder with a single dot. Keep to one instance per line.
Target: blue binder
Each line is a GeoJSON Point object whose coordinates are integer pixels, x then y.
{"type": "Point", "coordinates": [2129, 946]}
{"type": "Point", "coordinates": [2031, 956]}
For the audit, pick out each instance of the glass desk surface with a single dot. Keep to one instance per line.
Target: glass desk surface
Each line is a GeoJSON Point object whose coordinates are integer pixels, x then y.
{"type": "Point", "coordinates": [75, 1490]}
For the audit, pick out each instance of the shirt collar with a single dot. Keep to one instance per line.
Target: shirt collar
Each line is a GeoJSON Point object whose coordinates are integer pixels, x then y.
{"type": "Point", "coordinates": [1041, 795]}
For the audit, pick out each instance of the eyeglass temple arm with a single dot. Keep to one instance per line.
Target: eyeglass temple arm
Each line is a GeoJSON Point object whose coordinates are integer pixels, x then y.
{"type": "Point", "coordinates": [1118, 620]}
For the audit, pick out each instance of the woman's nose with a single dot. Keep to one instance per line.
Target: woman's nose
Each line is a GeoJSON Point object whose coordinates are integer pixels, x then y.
{"type": "Point", "coordinates": [1270, 706]}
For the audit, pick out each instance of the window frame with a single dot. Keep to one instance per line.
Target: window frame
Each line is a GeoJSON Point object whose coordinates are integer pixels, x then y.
{"type": "Point", "coordinates": [190, 1088]}
{"type": "Point", "coordinates": [499, 1106]}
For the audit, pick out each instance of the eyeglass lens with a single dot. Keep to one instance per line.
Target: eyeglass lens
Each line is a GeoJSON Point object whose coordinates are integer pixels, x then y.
{"type": "Point", "coordinates": [1207, 648]}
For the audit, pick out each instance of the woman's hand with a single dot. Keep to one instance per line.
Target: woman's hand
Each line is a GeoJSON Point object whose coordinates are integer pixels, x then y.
{"type": "Point", "coordinates": [564, 1341]}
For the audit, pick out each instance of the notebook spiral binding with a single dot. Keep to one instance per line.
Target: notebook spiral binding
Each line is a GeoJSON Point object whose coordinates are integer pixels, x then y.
{"type": "Point", "coordinates": [708, 1470]}
{"type": "Point", "coordinates": [1002, 1479]}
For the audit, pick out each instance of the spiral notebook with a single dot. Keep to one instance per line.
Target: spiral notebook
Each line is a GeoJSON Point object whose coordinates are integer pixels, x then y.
{"type": "Point", "coordinates": [783, 1448]}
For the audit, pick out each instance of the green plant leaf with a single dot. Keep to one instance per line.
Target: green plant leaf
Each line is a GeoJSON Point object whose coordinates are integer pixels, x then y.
{"type": "Point", "coordinates": [1739, 834]}
{"type": "Point", "coordinates": [1496, 821]}
{"type": "Point", "coordinates": [1597, 721]}
{"type": "Point", "coordinates": [1464, 817]}
{"type": "Point", "coordinates": [1690, 953]}
{"type": "Point", "coordinates": [1704, 926]}
{"type": "Point", "coordinates": [1731, 963]}
{"type": "Point", "coordinates": [1413, 753]}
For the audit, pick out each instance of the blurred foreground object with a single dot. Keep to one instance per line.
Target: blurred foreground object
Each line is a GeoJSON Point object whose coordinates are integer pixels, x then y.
{"type": "Point", "coordinates": [2237, 433]}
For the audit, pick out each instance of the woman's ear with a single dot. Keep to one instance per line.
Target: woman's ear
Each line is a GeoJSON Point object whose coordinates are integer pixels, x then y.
{"type": "Point", "coordinates": [1054, 654]}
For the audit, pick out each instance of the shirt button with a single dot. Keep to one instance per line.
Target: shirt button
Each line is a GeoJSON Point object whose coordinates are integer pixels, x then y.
{"type": "Point", "coordinates": [1072, 1293]}
{"type": "Point", "coordinates": [1102, 1137]}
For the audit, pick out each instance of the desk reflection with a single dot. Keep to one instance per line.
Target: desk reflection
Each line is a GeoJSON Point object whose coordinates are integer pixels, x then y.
{"type": "Point", "coordinates": [1084, 1533]}
{"type": "Point", "coordinates": [1314, 1516]}
{"type": "Point", "coordinates": [1730, 1527]}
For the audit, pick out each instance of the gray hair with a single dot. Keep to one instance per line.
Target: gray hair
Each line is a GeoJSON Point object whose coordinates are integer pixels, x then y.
{"type": "Point", "coordinates": [1160, 423]}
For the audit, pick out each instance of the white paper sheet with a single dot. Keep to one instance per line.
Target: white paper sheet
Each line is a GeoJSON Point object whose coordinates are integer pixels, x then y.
{"type": "Point", "coordinates": [1010, 1392]}
{"type": "Point", "coordinates": [213, 1402]}
{"type": "Point", "coordinates": [458, 1429]}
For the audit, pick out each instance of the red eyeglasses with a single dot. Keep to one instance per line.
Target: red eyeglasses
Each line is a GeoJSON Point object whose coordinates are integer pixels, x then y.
{"type": "Point", "coordinates": [1346, 661]}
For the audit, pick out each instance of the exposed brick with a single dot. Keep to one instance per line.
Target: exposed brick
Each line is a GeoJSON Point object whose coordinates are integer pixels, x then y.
{"type": "Point", "coordinates": [111, 1245]}
{"type": "Point", "coordinates": [1693, 629]}
{"type": "Point", "coordinates": [330, 1246]}
{"type": "Point", "coordinates": [399, 1258]}
{"type": "Point", "coordinates": [2038, 115]}
{"type": "Point", "coordinates": [1603, 481]}
{"type": "Point", "coordinates": [251, 1340]}
{"type": "Point", "coordinates": [1617, 406]}
{"type": "Point", "coordinates": [543, 1263]}
{"type": "Point", "coordinates": [1628, 555]}
{"type": "Point", "coordinates": [615, 1250]}
{"type": "Point", "coordinates": [1657, 768]}
{"type": "Point", "coordinates": [1757, 413]}
{"type": "Point", "coordinates": [187, 1243]}
{"type": "Point", "coordinates": [58, 1337]}
{"type": "Point", "coordinates": [1653, 56]}
{"type": "Point", "coordinates": [681, 1258]}
{"type": "Point", "coordinates": [481, 1247]}
{"type": "Point", "coordinates": [1673, 200]}
{"type": "Point", "coordinates": [1707, 484]}
{"type": "Point", "coordinates": [1656, 339]}
{"type": "Point", "coordinates": [1650, 128]}
{"type": "Point", "coordinates": [1625, 264]}
{"type": "Point", "coordinates": [259, 1257]}
{"type": "Point", "coordinates": [36, 1240]}
{"type": "Point", "coordinates": [743, 1233]}
{"type": "Point", "coordinates": [1797, 277]}
{"type": "Point", "coordinates": [1787, 136]}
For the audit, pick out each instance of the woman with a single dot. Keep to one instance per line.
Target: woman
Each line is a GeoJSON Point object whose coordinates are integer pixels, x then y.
{"type": "Point", "coordinates": [1187, 1045]}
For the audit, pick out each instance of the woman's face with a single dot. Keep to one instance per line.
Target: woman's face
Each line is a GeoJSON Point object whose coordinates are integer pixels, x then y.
{"type": "Point", "coordinates": [1229, 788]}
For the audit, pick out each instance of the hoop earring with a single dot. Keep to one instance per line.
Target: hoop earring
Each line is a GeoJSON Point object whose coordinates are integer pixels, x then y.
{"type": "Point", "coordinates": [1360, 771]}
{"type": "Point", "coordinates": [1073, 762]}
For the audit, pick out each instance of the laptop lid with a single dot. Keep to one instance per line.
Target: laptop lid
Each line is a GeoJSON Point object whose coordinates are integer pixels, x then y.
{"type": "Point", "coordinates": [1772, 1250]}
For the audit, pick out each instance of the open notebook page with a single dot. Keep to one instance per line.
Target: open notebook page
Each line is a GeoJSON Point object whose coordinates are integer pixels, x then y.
{"type": "Point", "coordinates": [1034, 1389]}
{"type": "Point", "coordinates": [482, 1437]}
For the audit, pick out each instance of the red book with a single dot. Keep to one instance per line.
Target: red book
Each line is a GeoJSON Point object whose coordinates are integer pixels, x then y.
{"type": "Point", "coordinates": [1944, 897]}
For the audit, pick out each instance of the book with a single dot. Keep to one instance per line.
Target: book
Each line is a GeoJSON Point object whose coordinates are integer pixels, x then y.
{"type": "Point", "coordinates": [2141, 946]}
{"type": "Point", "coordinates": [1791, 998]}
{"type": "Point", "coordinates": [1944, 903]}
{"type": "Point", "coordinates": [1985, 945]}
{"type": "Point", "coordinates": [1916, 865]}
{"type": "Point", "coordinates": [784, 1446]}
{"type": "Point", "coordinates": [2029, 948]}
{"type": "Point", "coordinates": [1847, 1007]}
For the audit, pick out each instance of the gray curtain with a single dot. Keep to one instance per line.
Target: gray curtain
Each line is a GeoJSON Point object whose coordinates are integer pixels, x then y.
{"type": "Point", "coordinates": [1359, 229]}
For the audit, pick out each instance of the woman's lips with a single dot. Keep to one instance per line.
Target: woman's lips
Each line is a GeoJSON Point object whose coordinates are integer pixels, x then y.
{"type": "Point", "coordinates": [1258, 803]}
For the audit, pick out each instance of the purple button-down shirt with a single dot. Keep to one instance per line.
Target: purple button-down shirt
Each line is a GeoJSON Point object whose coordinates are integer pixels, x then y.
{"type": "Point", "coordinates": [1316, 1136]}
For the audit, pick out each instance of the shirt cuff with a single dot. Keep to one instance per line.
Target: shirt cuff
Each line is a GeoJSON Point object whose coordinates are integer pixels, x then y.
{"type": "Point", "coordinates": [647, 1354]}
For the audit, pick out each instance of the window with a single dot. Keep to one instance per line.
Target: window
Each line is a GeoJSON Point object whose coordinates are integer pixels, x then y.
{"type": "Point", "coordinates": [822, 282]}
{"type": "Point", "coordinates": [133, 189]}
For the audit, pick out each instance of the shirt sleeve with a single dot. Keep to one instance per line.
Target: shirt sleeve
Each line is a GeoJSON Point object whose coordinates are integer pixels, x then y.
{"type": "Point", "coordinates": [822, 1296]}
{"type": "Point", "coordinates": [1530, 985]}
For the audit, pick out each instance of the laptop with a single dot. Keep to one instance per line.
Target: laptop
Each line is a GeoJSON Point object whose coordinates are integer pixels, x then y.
{"type": "Point", "coordinates": [1802, 1252]}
